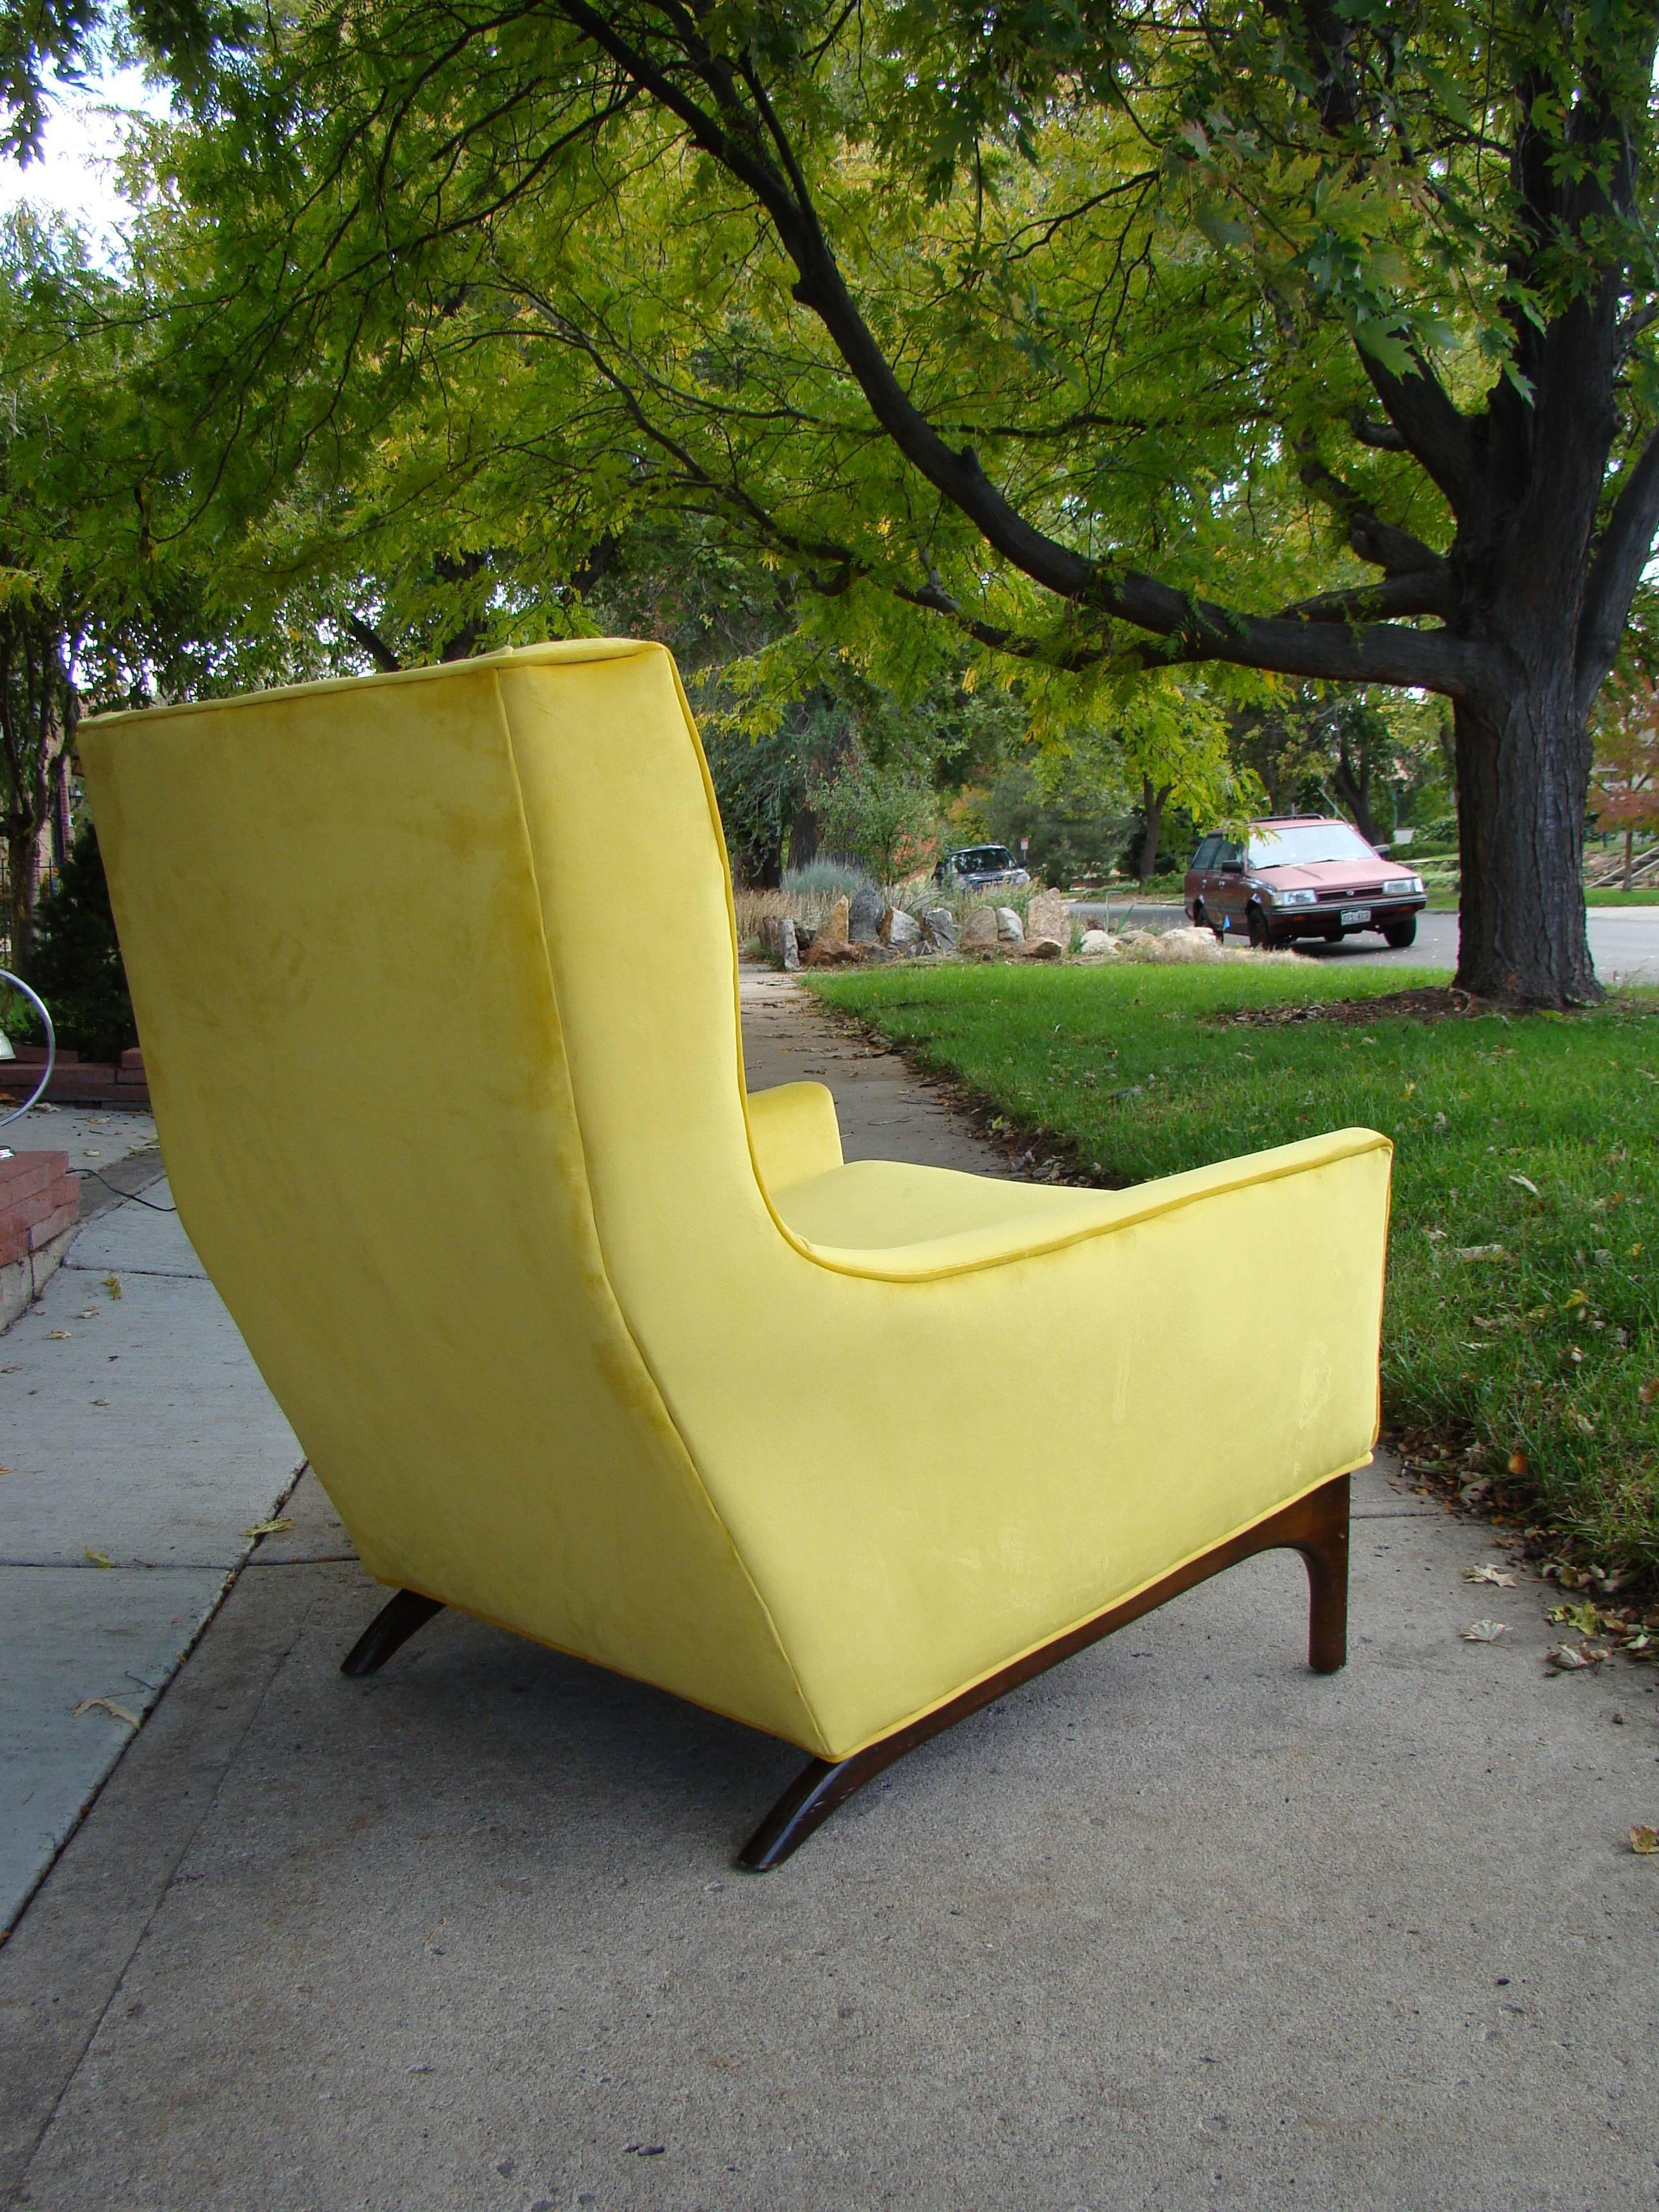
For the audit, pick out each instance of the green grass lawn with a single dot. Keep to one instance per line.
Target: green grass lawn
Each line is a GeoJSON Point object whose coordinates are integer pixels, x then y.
{"type": "Point", "coordinates": [1543, 1348]}
{"type": "Point", "coordinates": [1603, 896]}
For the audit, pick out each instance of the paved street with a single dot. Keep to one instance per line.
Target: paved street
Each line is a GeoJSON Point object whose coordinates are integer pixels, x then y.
{"type": "Point", "coordinates": [1179, 1926]}
{"type": "Point", "coordinates": [1624, 940]}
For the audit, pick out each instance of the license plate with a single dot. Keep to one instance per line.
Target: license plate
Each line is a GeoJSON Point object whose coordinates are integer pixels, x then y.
{"type": "Point", "coordinates": [1351, 914]}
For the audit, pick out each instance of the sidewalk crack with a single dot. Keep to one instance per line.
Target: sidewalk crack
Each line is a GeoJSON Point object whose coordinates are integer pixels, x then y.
{"type": "Point", "coordinates": [19, 2194]}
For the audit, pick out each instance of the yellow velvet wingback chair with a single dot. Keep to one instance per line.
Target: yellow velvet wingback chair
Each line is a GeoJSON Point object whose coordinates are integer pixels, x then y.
{"type": "Point", "coordinates": [581, 1340]}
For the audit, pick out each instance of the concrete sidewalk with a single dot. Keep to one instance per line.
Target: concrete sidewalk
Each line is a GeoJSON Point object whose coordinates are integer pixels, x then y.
{"type": "Point", "coordinates": [1178, 1926]}
{"type": "Point", "coordinates": [139, 1442]}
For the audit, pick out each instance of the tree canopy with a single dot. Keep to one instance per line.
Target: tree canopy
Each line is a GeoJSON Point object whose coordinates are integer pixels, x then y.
{"type": "Point", "coordinates": [1278, 336]}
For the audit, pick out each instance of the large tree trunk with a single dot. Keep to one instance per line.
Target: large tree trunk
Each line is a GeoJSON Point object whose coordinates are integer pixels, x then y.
{"type": "Point", "coordinates": [756, 865]}
{"type": "Point", "coordinates": [1523, 763]}
{"type": "Point", "coordinates": [1154, 798]}
{"type": "Point", "coordinates": [1354, 787]}
{"type": "Point", "coordinates": [803, 837]}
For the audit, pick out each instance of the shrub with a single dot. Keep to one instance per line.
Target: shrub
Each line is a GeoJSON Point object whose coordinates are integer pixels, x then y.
{"type": "Point", "coordinates": [827, 880]}
{"type": "Point", "coordinates": [882, 817]}
{"type": "Point", "coordinates": [76, 967]}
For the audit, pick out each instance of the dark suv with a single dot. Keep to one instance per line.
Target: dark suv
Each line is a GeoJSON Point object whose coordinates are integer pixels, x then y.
{"type": "Point", "coordinates": [1301, 876]}
{"type": "Point", "coordinates": [982, 868]}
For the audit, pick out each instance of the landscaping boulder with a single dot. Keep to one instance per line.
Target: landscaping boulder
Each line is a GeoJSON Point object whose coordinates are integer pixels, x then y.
{"type": "Point", "coordinates": [788, 948]}
{"type": "Point", "coordinates": [1041, 948]}
{"type": "Point", "coordinates": [833, 952]}
{"type": "Point", "coordinates": [1096, 942]}
{"type": "Point", "coordinates": [1170, 947]}
{"type": "Point", "coordinates": [1010, 929]}
{"type": "Point", "coordinates": [834, 929]}
{"type": "Point", "coordinates": [903, 931]}
{"type": "Point", "coordinates": [939, 928]}
{"type": "Point", "coordinates": [1049, 916]}
{"type": "Point", "coordinates": [864, 915]}
{"type": "Point", "coordinates": [981, 927]}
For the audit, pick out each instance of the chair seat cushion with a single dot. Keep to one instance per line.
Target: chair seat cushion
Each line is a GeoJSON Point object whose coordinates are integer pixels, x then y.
{"type": "Point", "coordinates": [870, 1205]}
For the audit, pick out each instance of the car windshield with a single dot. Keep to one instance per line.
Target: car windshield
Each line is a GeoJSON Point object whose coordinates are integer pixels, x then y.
{"type": "Point", "coordinates": [1306, 844]}
{"type": "Point", "coordinates": [980, 857]}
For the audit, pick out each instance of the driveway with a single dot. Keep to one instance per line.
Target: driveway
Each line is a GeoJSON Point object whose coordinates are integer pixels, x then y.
{"type": "Point", "coordinates": [1625, 940]}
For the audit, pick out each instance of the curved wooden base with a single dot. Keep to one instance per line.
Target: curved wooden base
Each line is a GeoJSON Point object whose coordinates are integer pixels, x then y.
{"type": "Point", "coordinates": [1316, 1526]}
{"type": "Point", "coordinates": [390, 1630]}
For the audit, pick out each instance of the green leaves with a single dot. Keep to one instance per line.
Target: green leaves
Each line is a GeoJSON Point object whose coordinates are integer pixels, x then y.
{"type": "Point", "coordinates": [1014, 318]}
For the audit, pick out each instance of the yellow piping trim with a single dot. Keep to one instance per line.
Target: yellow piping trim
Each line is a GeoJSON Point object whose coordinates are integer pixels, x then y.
{"type": "Point", "coordinates": [558, 649]}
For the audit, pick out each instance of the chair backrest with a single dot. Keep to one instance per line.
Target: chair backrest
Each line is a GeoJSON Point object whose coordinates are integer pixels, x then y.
{"type": "Point", "coordinates": [434, 975]}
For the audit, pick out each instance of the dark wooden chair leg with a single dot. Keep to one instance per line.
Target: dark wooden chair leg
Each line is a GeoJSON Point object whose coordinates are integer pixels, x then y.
{"type": "Point", "coordinates": [812, 1796]}
{"type": "Point", "coordinates": [1316, 1526]}
{"type": "Point", "coordinates": [390, 1630]}
{"type": "Point", "coordinates": [1326, 1551]}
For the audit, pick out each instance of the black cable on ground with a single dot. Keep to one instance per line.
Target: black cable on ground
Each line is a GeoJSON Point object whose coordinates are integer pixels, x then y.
{"type": "Point", "coordinates": [120, 1193]}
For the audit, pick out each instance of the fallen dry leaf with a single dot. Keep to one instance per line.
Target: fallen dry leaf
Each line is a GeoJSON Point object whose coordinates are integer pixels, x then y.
{"type": "Point", "coordinates": [1479, 1251]}
{"type": "Point", "coordinates": [1484, 1632]}
{"type": "Point", "coordinates": [113, 1285]}
{"type": "Point", "coordinates": [1644, 1840]}
{"type": "Point", "coordinates": [1519, 1463]}
{"type": "Point", "coordinates": [109, 1704]}
{"type": "Point", "coordinates": [88, 1313]}
{"type": "Point", "coordinates": [1571, 1658]}
{"type": "Point", "coordinates": [1491, 1572]}
{"type": "Point", "coordinates": [1649, 1391]}
{"type": "Point", "coordinates": [1527, 1183]}
{"type": "Point", "coordinates": [1585, 1619]}
{"type": "Point", "coordinates": [56, 1335]}
{"type": "Point", "coordinates": [267, 1528]}
{"type": "Point", "coordinates": [100, 1558]}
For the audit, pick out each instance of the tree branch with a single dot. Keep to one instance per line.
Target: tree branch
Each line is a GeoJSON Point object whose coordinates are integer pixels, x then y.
{"type": "Point", "coordinates": [374, 644]}
{"type": "Point", "coordinates": [732, 140]}
{"type": "Point", "coordinates": [1195, 629]}
{"type": "Point", "coordinates": [1382, 544]}
{"type": "Point", "coordinates": [1637, 320]}
{"type": "Point", "coordinates": [1431, 429]}
{"type": "Point", "coordinates": [1382, 436]}
{"type": "Point", "coordinates": [1408, 592]}
{"type": "Point", "coordinates": [1615, 571]}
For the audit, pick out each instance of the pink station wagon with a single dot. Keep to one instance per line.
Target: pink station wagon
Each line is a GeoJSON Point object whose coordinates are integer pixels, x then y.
{"type": "Point", "coordinates": [1301, 876]}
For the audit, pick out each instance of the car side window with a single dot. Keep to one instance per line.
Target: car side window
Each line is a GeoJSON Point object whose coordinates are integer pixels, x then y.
{"type": "Point", "coordinates": [1226, 856]}
{"type": "Point", "coordinates": [1205, 856]}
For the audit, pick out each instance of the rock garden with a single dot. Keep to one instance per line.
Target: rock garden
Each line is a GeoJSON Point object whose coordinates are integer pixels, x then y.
{"type": "Point", "coordinates": [868, 926]}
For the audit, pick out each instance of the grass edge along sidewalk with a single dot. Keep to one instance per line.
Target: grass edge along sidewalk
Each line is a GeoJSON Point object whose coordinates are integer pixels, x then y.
{"type": "Point", "coordinates": [1523, 1312]}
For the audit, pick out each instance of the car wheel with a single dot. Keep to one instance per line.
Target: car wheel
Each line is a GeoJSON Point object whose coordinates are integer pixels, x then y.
{"type": "Point", "coordinates": [1201, 921]}
{"type": "Point", "coordinates": [1261, 938]}
{"type": "Point", "coordinates": [1400, 934]}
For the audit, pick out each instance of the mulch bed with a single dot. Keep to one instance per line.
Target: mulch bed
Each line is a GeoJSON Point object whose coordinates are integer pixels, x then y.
{"type": "Point", "coordinates": [1432, 1002]}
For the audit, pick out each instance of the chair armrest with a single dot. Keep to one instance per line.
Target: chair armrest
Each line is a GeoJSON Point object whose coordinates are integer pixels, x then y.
{"type": "Point", "coordinates": [978, 1441]}
{"type": "Point", "coordinates": [793, 1133]}
{"type": "Point", "coordinates": [1097, 1214]}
